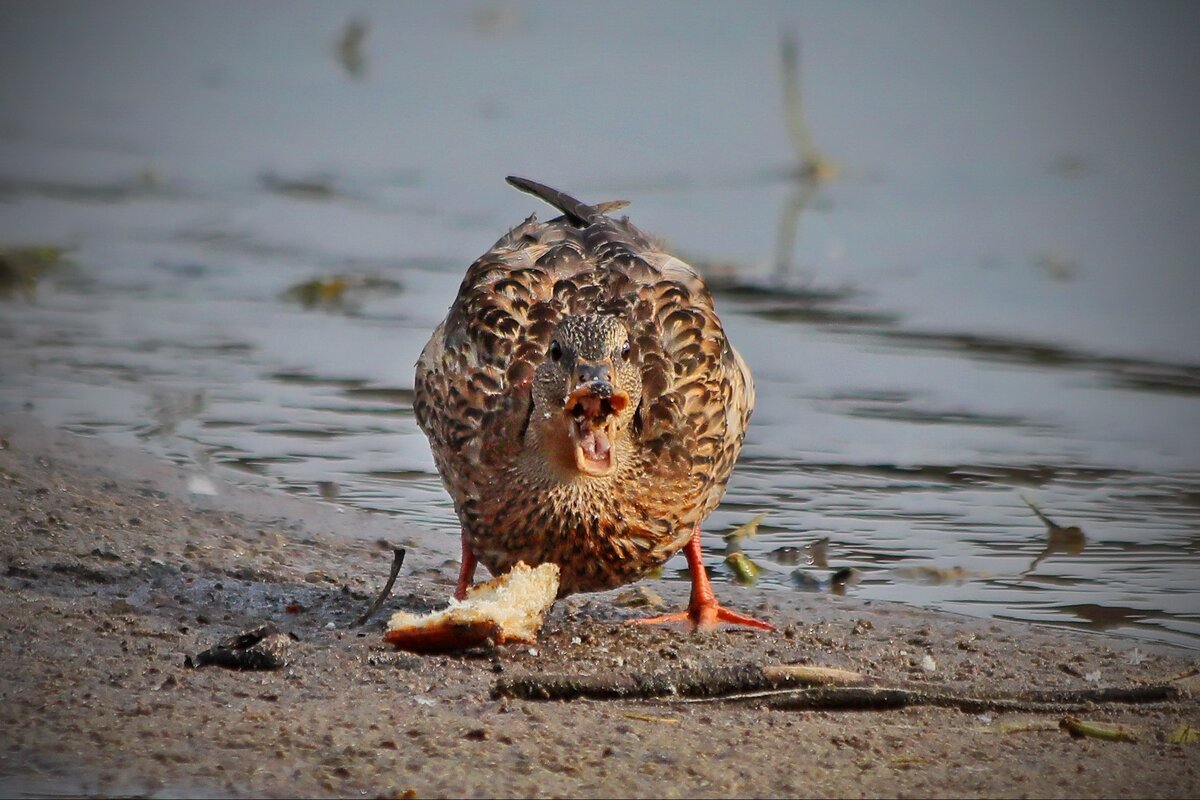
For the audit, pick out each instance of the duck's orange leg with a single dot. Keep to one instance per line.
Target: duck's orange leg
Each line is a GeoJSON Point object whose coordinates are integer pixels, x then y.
{"type": "Point", "coordinates": [466, 573]}
{"type": "Point", "coordinates": [703, 610]}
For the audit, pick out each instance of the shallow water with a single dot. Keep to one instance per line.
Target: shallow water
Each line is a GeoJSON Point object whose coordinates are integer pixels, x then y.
{"type": "Point", "coordinates": [994, 297]}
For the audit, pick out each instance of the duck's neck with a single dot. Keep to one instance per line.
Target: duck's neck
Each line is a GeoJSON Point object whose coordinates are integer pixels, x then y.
{"type": "Point", "coordinates": [547, 463]}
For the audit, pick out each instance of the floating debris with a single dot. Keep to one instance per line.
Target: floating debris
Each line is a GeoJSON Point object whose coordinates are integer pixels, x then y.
{"type": "Point", "coordinates": [317, 187]}
{"type": "Point", "coordinates": [1056, 266]}
{"type": "Point", "coordinates": [787, 556]}
{"type": "Point", "coordinates": [805, 581]}
{"type": "Point", "coordinates": [145, 184]}
{"type": "Point", "coordinates": [1073, 166]}
{"type": "Point", "coordinates": [22, 267]}
{"type": "Point", "coordinates": [817, 552]}
{"type": "Point", "coordinates": [1059, 539]}
{"type": "Point", "coordinates": [333, 291]}
{"type": "Point", "coordinates": [844, 578]}
{"type": "Point", "coordinates": [496, 19]}
{"type": "Point", "coordinates": [747, 530]}
{"type": "Point", "coordinates": [349, 48]}
{"type": "Point", "coordinates": [745, 571]}
{"type": "Point", "coordinates": [813, 166]}
{"type": "Point", "coordinates": [935, 576]}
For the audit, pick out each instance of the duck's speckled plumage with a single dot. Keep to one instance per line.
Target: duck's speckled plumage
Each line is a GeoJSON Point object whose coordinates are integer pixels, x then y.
{"type": "Point", "coordinates": [473, 400]}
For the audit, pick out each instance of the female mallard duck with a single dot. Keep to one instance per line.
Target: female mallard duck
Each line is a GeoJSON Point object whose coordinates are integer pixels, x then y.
{"type": "Point", "coordinates": [584, 406]}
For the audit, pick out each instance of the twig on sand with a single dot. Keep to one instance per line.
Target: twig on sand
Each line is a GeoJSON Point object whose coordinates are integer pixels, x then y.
{"type": "Point", "coordinates": [1079, 728]}
{"type": "Point", "coordinates": [792, 687]}
{"type": "Point", "coordinates": [397, 560]}
{"type": "Point", "coordinates": [882, 698]}
{"type": "Point", "coordinates": [685, 683]}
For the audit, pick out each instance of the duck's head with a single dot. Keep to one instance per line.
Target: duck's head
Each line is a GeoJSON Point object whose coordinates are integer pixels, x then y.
{"type": "Point", "coordinates": [584, 395]}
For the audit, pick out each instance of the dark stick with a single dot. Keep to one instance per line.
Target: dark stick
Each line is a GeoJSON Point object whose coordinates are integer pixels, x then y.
{"type": "Point", "coordinates": [397, 560]}
{"type": "Point", "coordinates": [880, 698]}
{"type": "Point", "coordinates": [759, 684]}
{"type": "Point", "coordinates": [687, 683]}
{"type": "Point", "coordinates": [710, 682]}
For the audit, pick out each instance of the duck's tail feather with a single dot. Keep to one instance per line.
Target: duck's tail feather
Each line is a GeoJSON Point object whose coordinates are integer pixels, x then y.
{"type": "Point", "coordinates": [579, 213]}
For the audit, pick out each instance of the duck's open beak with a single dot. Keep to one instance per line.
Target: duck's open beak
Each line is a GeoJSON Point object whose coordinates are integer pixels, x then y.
{"type": "Point", "coordinates": [591, 413]}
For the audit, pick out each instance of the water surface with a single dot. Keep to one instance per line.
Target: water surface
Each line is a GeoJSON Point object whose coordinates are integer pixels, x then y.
{"type": "Point", "coordinates": [993, 297]}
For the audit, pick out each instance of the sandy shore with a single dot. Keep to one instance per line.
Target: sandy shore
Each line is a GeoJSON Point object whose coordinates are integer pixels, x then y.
{"type": "Point", "coordinates": [113, 573]}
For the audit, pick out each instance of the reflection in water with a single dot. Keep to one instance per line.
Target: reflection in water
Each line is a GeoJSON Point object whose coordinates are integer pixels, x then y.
{"type": "Point", "coordinates": [818, 552]}
{"type": "Point", "coordinates": [843, 579]}
{"type": "Point", "coordinates": [837, 583]}
{"type": "Point", "coordinates": [21, 268]}
{"type": "Point", "coordinates": [1138, 373]}
{"type": "Point", "coordinates": [812, 166]}
{"type": "Point", "coordinates": [1107, 616]}
{"type": "Point", "coordinates": [789, 220]}
{"type": "Point", "coordinates": [813, 169]}
{"type": "Point", "coordinates": [349, 48]}
{"type": "Point", "coordinates": [735, 538]}
{"type": "Point", "coordinates": [341, 292]}
{"type": "Point", "coordinates": [1068, 540]}
{"type": "Point", "coordinates": [145, 185]}
{"type": "Point", "coordinates": [935, 576]}
{"type": "Point", "coordinates": [168, 410]}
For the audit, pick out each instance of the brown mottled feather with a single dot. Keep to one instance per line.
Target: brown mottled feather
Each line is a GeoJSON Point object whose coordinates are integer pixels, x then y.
{"type": "Point", "coordinates": [473, 399]}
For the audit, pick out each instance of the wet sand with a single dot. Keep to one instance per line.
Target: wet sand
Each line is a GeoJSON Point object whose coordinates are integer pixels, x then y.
{"type": "Point", "coordinates": [113, 573]}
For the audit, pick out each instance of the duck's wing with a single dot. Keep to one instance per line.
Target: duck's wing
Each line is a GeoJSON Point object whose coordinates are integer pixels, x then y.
{"type": "Point", "coordinates": [472, 379]}
{"type": "Point", "coordinates": [698, 393]}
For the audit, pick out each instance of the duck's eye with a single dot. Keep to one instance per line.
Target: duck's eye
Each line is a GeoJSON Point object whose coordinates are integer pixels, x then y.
{"type": "Point", "coordinates": [625, 351]}
{"type": "Point", "coordinates": [555, 351]}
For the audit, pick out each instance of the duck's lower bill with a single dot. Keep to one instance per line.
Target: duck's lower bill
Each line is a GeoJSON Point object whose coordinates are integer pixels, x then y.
{"type": "Point", "coordinates": [591, 419]}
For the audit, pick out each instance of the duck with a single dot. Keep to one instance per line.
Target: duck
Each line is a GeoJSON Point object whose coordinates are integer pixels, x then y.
{"type": "Point", "coordinates": [584, 406]}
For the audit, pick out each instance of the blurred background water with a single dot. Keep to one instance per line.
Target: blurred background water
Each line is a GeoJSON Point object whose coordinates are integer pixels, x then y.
{"type": "Point", "coordinates": [981, 284]}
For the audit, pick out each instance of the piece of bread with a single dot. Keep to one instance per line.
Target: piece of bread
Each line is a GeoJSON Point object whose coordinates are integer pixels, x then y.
{"type": "Point", "coordinates": [510, 608]}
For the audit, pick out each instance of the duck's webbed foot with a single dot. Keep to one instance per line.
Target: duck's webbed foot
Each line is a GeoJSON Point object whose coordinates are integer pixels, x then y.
{"type": "Point", "coordinates": [703, 612]}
